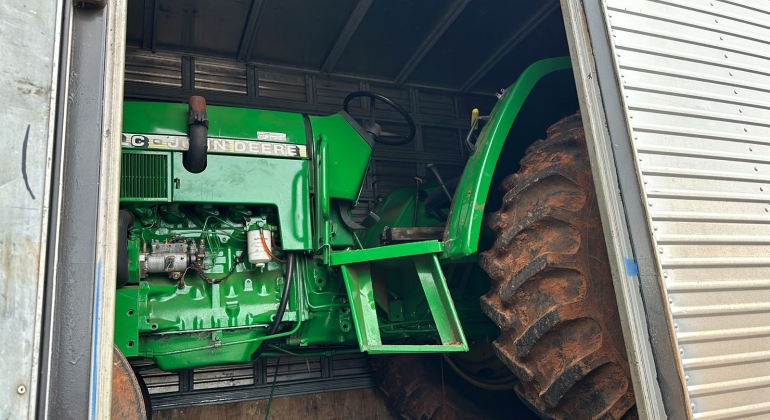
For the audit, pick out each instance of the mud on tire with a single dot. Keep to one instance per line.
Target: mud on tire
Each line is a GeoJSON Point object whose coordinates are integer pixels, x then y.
{"type": "Point", "coordinates": [552, 294]}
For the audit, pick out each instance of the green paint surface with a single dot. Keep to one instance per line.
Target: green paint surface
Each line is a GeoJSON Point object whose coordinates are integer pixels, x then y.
{"type": "Point", "coordinates": [466, 216]}
{"type": "Point", "coordinates": [414, 297]}
{"type": "Point", "coordinates": [170, 119]}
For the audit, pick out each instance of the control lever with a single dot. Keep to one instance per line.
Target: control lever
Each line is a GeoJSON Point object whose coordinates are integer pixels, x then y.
{"type": "Point", "coordinates": [417, 185]}
{"type": "Point", "coordinates": [433, 169]}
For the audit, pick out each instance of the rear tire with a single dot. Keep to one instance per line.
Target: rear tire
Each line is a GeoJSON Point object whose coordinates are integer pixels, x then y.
{"type": "Point", "coordinates": [414, 389]}
{"type": "Point", "coordinates": [552, 294]}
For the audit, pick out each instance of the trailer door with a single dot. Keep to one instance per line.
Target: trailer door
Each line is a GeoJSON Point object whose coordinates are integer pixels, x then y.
{"type": "Point", "coordinates": [675, 101]}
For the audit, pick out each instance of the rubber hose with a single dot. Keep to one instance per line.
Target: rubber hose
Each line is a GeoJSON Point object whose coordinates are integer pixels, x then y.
{"type": "Point", "coordinates": [125, 222]}
{"type": "Point", "coordinates": [195, 158]}
{"type": "Point", "coordinates": [281, 306]}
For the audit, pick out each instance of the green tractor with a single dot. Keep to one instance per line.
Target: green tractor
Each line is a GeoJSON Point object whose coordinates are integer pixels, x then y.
{"type": "Point", "coordinates": [237, 242]}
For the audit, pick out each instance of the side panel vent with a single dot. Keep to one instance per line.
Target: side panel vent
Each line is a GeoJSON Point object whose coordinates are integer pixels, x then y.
{"type": "Point", "coordinates": [144, 177]}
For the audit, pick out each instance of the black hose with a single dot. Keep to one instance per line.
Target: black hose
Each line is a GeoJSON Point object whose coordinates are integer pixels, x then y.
{"type": "Point", "coordinates": [194, 159]}
{"type": "Point", "coordinates": [125, 222]}
{"type": "Point", "coordinates": [281, 306]}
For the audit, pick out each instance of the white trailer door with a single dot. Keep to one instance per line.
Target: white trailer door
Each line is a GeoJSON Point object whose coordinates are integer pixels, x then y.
{"type": "Point", "coordinates": [693, 86]}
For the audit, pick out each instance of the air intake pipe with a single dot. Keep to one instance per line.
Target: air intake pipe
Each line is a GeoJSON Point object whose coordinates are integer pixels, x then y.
{"type": "Point", "coordinates": [194, 159]}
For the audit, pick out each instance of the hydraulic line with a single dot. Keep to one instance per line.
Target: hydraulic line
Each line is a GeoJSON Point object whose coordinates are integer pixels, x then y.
{"type": "Point", "coordinates": [281, 306]}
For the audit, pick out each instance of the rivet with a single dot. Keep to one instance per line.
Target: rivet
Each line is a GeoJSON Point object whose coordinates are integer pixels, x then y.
{"type": "Point", "coordinates": [751, 149]}
{"type": "Point", "coordinates": [756, 169]}
{"type": "Point", "coordinates": [21, 389]}
{"type": "Point", "coordinates": [665, 275]}
{"type": "Point", "coordinates": [692, 405]}
{"type": "Point", "coordinates": [745, 130]}
{"type": "Point", "coordinates": [676, 326]}
{"type": "Point", "coordinates": [681, 351]}
{"type": "Point", "coordinates": [671, 301]}
{"type": "Point", "coordinates": [761, 188]}
{"type": "Point", "coordinates": [687, 378]}
{"type": "Point", "coordinates": [725, 55]}
{"type": "Point", "coordinates": [660, 250]}
{"type": "Point", "coordinates": [730, 73]}
{"type": "Point", "coordinates": [735, 92]}
{"type": "Point", "coordinates": [716, 21]}
{"type": "Point", "coordinates": [740, 110]}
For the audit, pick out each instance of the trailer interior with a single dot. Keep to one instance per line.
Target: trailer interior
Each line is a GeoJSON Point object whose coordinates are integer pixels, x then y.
{"type": "Point", "coordinates": [438, 59]}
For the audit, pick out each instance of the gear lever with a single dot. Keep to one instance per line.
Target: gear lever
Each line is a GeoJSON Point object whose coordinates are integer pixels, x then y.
{"type": "Point", "coordinates": [433, 169]}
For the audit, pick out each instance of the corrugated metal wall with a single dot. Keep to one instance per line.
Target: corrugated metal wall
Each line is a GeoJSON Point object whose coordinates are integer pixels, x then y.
{"type": "Point", "coordinates": [696, 80]}
{"type": "Point", "coordinates": [254, 381]}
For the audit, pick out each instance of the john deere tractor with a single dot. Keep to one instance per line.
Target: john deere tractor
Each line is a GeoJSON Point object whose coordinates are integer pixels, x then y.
{"type": "Point", "coordinates": [237, 242]}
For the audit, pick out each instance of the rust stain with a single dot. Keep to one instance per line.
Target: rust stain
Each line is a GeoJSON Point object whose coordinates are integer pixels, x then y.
{"type": "Point", "coordinates": [128, 402]}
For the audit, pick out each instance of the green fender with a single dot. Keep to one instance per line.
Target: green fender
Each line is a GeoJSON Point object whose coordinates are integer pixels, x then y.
{"type": "Point", "coordinates": [461, 237]}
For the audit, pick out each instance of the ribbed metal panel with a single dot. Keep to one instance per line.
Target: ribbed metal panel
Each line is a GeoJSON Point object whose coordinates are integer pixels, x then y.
{"type": "Point", "coordinates": [437, 104]}
{"type": "Point", "coordinates": [220, 75]}
{"type": "Point", "coordinates": [161, 68]}
{"type": "Point", "coordinates": [144, 176]}
{"type": "Point", "coordinates": [696, 84]}
{"type": "Point", "coordinates": [282, 85]}
{"type": "Point", "coordinates": [251, 381]}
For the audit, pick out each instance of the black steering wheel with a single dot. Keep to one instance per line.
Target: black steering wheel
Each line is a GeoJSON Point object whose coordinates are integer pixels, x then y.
{"type": "Point", "coordinates": [373, 128]}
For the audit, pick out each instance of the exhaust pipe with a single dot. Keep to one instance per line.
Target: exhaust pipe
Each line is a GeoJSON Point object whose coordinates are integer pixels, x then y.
{"type": "Point", "coordinates": [194, 158]}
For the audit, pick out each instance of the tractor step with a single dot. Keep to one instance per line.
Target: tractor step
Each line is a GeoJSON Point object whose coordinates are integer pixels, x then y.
{"type": "Point", "coordinates": [356, 270]}
{"type": "Point", "coordinates": [398, 235]}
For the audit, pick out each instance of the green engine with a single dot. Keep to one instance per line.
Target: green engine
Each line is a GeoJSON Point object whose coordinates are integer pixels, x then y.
{"type": "Point", "coordinates": [237, 242]}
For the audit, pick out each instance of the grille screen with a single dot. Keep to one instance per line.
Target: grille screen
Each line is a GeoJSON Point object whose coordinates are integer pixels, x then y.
{"type": "Point", "coordinates": [144, 176]}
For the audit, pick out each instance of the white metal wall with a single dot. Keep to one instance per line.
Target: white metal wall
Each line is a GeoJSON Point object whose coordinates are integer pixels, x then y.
{"type": "Point", "coordinates": [695, 76]}
{"type": "Point", "coordinates": [29, 39]}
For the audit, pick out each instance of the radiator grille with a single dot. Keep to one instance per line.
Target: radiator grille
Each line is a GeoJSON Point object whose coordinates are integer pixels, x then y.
{"type": "Point", "coordinates": [144, 177]}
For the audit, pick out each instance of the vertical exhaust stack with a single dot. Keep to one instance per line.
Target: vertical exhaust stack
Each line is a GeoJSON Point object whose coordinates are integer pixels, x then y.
{"type": "Point", "coordinates": [195, 157]}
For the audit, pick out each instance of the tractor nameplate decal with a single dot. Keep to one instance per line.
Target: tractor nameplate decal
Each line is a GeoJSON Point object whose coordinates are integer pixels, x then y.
{"type": "Point", "coordinates": [216, 145]}
{"type": "Point", "coordinates": [270, 136]}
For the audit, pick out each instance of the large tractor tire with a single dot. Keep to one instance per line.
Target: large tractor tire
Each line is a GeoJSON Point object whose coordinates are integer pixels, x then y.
{"type": "Point", "coordinates": [414, 389]}
{"type": "Point", "coordinates": [552, 294]}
